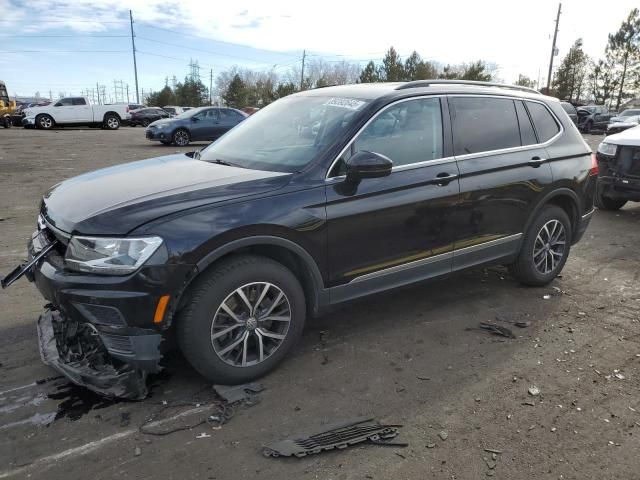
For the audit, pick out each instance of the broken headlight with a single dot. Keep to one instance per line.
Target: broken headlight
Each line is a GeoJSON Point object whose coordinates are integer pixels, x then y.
{"type": "Point", "coordinates": [607, 149]}
{"type": "Point", "coordinates": [110, 256]}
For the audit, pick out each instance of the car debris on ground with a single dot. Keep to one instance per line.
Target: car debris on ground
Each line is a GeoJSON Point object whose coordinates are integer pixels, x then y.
{"type": "Point", "coordinates": [338, 436]}
{"type": "Point", "coordinates": [496, 329]}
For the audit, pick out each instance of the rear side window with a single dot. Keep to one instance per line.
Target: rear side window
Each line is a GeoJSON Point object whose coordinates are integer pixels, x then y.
{"type": "Point", "coordinates": [484, 124]}
{"type": "Point", "coordinates": [543, 121]}
{"type": "Point", "coordinates": [527, 134]}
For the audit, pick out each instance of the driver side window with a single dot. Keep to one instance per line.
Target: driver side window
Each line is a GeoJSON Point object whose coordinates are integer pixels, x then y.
{"type": "Point", "coordinates": [65, 102]}
{"type": "Point", "coordinates": [407, 132]}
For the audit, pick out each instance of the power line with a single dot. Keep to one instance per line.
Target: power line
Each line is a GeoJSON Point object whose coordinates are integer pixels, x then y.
{"type": "Point", "coordinates": [63, 51]}
{"type": "Point", "coordinates": [70, 36]}
{"type": "Point", "coordinates": [202, 50]}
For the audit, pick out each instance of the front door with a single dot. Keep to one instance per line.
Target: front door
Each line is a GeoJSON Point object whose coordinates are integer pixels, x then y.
{"type": "Point", "coordinates": [394, 230]}
{"type": "Point", "coordinates": [204, 124]}
{"type": "Point", "coordinates": [503, 173]}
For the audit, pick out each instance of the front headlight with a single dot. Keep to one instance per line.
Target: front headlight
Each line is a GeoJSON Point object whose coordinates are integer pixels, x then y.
{"type": "Point", "coordinates": [110, 256]}
{"type": "Point", "coordinates": [607, 149]}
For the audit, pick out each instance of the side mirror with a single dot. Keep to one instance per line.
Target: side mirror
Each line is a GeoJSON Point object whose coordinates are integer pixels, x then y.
{"type": "Point", "coordinates": [366, 164]}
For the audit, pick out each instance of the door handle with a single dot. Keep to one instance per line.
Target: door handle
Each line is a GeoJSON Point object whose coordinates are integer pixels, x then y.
{"type": "Point", "coordinates": [443, 179]}
{"type": "Point", "coordinates": [535, 162]}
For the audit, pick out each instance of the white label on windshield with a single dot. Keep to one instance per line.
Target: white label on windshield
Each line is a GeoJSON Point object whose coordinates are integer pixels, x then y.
{"type": "Point", "coordinates": [349, 103]}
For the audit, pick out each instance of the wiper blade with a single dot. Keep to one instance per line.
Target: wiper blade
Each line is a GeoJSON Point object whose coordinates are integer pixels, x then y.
{"type": "Point", "coordinates": [224, 162]}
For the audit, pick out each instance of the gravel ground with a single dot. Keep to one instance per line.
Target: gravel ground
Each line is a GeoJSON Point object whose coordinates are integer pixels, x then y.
{"type": "Point", "coordinates": [413, 357]}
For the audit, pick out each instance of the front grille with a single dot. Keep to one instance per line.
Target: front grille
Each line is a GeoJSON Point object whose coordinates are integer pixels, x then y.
{"type": "Point", "coordinates": [628, 161]}
{"type": "Point", "coordinates": [117, 343]}
{"type": "Point", "coordinates": [101, 314]}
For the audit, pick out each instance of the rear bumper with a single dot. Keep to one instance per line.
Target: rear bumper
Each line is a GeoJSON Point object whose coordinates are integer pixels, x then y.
{"type": "Point", "coordinates": [583, 223]}
{"type": "Point", "coordinates": [624, 188]}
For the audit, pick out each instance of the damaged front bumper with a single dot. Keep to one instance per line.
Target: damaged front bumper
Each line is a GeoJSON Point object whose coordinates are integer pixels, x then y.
{"type": "Point", "coordinates": [78, 352]}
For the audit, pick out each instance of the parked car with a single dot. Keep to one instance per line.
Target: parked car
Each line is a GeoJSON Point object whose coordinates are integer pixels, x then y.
{"type": "Point", "coordinates": [571, 111]}
{"type": "Point", "coordinates": [173, 110]}
{"type": "Point", "coordinates": [75, 111]}
{"type": "Point", "coordinates": [133, 107]}
{"type": "Point", "coordinates": [198, 124]}
{"type": "Point", "coordinates": [619, 163]}
{"type": "Point", "coordinates": [18, 115]}
{"type": "Point", "coordinates": [593, 117]}
{"type": "Point", "coordinates": [625, 115]}
{"type": "Point", "coordinates": [234, 246]}
{"type": "Point", "coordinates": [145, 116]}
{"type": "Point", "coordinates": [620, 124]}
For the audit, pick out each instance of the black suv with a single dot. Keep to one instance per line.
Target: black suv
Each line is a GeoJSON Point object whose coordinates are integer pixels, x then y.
{"type": "Point", "coordinates": [322, 197]}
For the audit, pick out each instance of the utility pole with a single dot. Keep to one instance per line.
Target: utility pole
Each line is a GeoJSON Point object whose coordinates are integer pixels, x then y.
{"type": "Point", "coordinates": [211, 87]}
{"type": "Point", "coordinates": [304, 54]}
{"type": "Point", "coordinates": [50, 96]}
{"type": "Point", "coordinates": [98, 91]}
{"type": "Point", "coordinates": [128, 101]}
{"type": "Point", "coordinates": [553, 47]}
{"type": "Point", "coordinates": [133, 48]}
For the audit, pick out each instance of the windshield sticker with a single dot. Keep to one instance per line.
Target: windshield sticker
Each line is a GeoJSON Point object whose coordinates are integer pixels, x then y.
{"type": "Point", "coordinates": [348, 103]}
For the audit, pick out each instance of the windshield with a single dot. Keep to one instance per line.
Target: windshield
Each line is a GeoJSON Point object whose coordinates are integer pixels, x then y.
{"type": "Point", "coordinates": [190, 113]}
{"type": "Point", "coordinates": [287, 135]}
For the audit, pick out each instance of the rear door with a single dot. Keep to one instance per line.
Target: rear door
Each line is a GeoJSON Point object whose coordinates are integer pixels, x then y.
{"type": "Point", "coordinates": [503, 172]}
{"type": "Point", "coordinates": [229, 118]}
{"type": "Point", "coordinates": [389, 231]}
{"type": "Point", "coordinates": [81, 111]}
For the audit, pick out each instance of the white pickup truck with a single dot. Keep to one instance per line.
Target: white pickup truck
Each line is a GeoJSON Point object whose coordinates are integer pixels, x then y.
{"type": "Point", "coordinates": [76, 111]}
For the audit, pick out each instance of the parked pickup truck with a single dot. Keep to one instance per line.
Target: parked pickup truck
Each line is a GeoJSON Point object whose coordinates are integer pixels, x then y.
{"type": "Point", "coordinates": [593, 117]}
{"type": "Point", "coordinates": [73, 111]}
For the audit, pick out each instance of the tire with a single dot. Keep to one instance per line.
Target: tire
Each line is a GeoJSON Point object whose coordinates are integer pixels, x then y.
{"type": "Point", "coordinates": [204, 316]}
{"type": "Point", "coordinates": [181, 137]}
{"type": "Point", "coordinates": [535, 265]}
{"type": "Point", "coordinates": [145, 123]}
{"type": "Point", "coordinates": [608, 203]}
{"type": "Point", "coordinates": [111, 122]}
{"type": "Point", "coordinates": [6, 122]}
{"type": "Point", "coordinates": [45, 122]}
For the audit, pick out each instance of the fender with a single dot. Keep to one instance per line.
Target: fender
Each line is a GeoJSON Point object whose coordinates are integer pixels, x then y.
{"type": "Point", "coordinates": [559, 192]}
{"type": "Point", "coordinates": [320, 294]}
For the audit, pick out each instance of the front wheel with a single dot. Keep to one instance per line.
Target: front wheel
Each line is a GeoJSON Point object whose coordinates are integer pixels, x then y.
{"type": "Point", "coordinates": [608, 203]}
{"type": "Point", "coordinates": [145, 123]}
{"type": "Point", "coordinates": [545, 248]}
{"type": "Point", "coordinates": [112, 122]}
{"type": "Point", "coordinates": [181, 137]}
{"type": "Point", "coordinates": [45, 122]}
{"type": "Point", "coordinates": [242, 319]}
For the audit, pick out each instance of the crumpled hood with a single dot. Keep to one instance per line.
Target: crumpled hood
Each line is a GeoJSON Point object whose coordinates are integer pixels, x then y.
{"type": "Point", "coordinates": [629, 137]}
{"type": "Point", "coordinates": [115, 200]}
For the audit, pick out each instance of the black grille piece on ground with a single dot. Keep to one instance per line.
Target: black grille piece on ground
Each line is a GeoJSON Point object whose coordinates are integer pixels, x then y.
{"type": "Point", "coordinates": [334, 436]}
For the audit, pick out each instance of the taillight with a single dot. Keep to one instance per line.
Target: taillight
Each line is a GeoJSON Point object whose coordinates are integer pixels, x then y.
{"type": "Point", "coordinates": [594, 165]}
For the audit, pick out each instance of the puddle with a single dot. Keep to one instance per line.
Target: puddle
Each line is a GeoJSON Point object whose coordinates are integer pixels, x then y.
{"type": "Point", "coordinates": [76, 402]}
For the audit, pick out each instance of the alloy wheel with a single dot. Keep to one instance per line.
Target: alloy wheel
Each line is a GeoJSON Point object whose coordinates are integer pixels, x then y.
{"type": "Point", "coordinates": [549, 247]}
{"type": "Point", "coordinates": [45, 122]}
{"type": "Point", "coordinates": [113, 123]}
{"type": "Point", "coordinates": [250, 324]}
{"type": "Point", "coordinates": [181, 138]}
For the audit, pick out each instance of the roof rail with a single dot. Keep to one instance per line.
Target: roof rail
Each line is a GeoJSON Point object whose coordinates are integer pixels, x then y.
{"type": "Point", "coordinates": [428, 83]}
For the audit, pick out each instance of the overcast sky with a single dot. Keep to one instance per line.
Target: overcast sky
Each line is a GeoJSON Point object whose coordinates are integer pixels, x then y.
{"type": "Point", "coordinates": [63, 38]}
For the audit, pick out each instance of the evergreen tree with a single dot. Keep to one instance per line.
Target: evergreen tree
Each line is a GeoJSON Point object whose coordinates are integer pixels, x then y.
{"type": "Point", "coordinates": [417, 69]}
{"type": "Point", "coordinates": [525, 81]}
{"type": "Point", "coordinates": [285, 89]}
{"type": "Point", "coordinates": [391, 69]}
{"type": "Point", "coordinates": [369, 74]}
{"type": "Point", "coordinates": [623, 50]}
{"type": "Point", "coordinates": [236, 94]}
{"type": "Point", "coordinates": [569, 81]}
{"type": "Point", "coordinates": [476, 71]}
{"type": "Point", "coordinates": [161, 98]}
{"type": "Point", "coordinates": [602, 82]}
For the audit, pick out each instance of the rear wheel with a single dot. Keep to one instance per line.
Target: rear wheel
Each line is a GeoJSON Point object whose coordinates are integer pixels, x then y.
{"type": "Point", "coordinates": [45, 122]}
{"type": "Point", "coordinates": [608, 203]}
{"type": "Point", "coordinates": [545, 248]}
{"type": "Point", "coordinates": [145, 122]}
{"type": "Point", "coordinates": [111, 122]}
{"type": "Point", "coordinates": [242, 319]}
{"type": "Point", "coordinates": [181, 137]}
